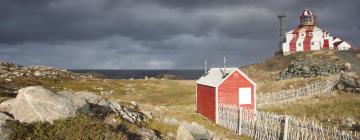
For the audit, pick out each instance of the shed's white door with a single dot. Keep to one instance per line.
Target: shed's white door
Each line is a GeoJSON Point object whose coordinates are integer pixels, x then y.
{"type": "Point", "coordinates": [245, 96]}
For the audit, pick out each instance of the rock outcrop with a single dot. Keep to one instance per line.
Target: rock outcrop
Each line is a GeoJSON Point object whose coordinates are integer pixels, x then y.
{"type": "Point", "coordinates": [349, 82]}
{"type": "Point", "coordinates": [128, 112]}
{"type": "Point", "coordinates": [309, 67]}
{"type": "Point", "coordinates": [193, 131]}
{"type": "Point", "coordinates": [4, 132]}
{"type": "Point", "coordinates": [169, 77]}
{"type": "Point", "coordinates": [39, 104]}
{"type": "Point", "coordinates": [10, 71]}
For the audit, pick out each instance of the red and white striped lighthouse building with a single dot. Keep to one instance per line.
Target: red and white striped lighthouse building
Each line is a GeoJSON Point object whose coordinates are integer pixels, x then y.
{"type": "Point", "coordinates": [308, 37]}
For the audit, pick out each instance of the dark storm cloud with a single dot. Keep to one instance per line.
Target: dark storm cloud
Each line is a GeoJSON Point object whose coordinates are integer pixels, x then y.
{"type": "Point", "coordinates": [157, 33]}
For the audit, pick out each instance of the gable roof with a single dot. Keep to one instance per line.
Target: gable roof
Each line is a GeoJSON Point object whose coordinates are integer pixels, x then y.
{"type": "Point", "coordinates": [214, 77]}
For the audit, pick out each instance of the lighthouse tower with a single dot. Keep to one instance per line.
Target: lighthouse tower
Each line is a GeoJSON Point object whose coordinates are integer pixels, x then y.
{"type": "Point", "coordinates": [308, 37]}
{"type": "Point", "coordinates": [307, 19]}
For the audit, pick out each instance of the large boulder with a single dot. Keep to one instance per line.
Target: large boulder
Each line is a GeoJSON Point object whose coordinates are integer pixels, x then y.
{"type": "Point", "coordinates": [193, 131]}
{"type": "Point", "coordinates": [147, 134]}
{"type": "Point", "coordinates": [36, 103]}
{"type": "Point", "coordinates": [4, 132]}
{"type": "Point", "coordinates": [98, 103]}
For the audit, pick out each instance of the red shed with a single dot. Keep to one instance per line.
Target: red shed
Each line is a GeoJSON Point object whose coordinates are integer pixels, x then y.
{"type": "Point", "coordinates": [218, 86]}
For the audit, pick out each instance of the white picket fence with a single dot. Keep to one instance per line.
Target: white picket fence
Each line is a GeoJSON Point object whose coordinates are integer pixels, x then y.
{"type": "Point", "coordinates": [317, 88]}
{"type": "Point", "coordinates": [269, 126]}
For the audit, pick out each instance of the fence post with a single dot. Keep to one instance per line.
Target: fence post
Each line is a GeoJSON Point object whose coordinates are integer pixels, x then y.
{"type": "Point", "coordinates": [240, 120]}
{"type": "Point", "coordinates": [286, 125]}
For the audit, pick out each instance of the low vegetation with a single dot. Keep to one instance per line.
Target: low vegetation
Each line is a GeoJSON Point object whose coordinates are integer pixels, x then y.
{"type": "Point", "coordinates": [331, 110]}
{"type": "Point", "coordinates": [176, 99]}
{"type": "Point", "coordinates": [83, 126]}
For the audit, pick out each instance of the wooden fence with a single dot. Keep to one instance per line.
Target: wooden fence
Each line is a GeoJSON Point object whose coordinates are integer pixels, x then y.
{"type": "Point", "coordinates": [269, 126]}
{"type": "Point", "coordinates": [322, 87]}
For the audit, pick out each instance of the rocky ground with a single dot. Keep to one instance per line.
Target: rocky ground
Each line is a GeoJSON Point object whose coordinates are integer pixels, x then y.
{"type": "Point", "coordinates": [309, 66]}
{"type": "Point", "coordinates": [10, 71]}
{"type": "Point", "coordinates": [37, 105]}
{"type": "Point", "coordinates": [151, 108]}
{"type": "Point", "coordinates": [352, 57]}
{"type": "Point", "coordinates": [13, 77]}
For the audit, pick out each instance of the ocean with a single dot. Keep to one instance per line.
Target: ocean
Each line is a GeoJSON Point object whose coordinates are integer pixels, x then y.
{"type": "Point", "coordinates": [140, 74]}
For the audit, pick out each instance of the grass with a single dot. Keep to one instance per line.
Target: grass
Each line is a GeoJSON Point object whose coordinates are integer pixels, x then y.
{"type": "Point", "coordinates": [329, 110]}
{"type": "Point", "coordinates": [177, 97]}
{"type": "Point", "coordinates": [292, 83]}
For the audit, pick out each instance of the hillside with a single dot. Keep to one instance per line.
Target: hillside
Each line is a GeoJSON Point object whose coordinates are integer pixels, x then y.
{"type": "Point", "coordinates": [337, 109]}
{"type": "Point", "coordinates": [267, 73]}
{"type": "Point", "coordinates": [168, 105]}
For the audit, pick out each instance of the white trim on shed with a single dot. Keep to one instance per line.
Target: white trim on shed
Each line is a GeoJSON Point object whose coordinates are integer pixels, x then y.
{"type": "Point", "coordinates": [215, 76]}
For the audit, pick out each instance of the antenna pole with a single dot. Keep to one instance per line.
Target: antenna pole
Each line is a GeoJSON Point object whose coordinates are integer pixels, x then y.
{"type": "Point", "coordinates": [205, 66]}
{"type": "Point", "coordinates": [224, 64]}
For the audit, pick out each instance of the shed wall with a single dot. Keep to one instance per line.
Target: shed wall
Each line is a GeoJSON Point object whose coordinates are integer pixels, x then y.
{"type": "Point", "coordinates": [229, 90]}
{"type": "Point", "coordinates": [206, 101]}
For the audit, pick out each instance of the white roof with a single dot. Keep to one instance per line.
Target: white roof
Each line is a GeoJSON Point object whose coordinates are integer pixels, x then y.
{"type": "Point", "coordinates": [215, 76]}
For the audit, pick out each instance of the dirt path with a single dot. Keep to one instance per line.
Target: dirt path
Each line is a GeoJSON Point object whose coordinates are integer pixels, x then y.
{"type": "Point", "coordinates": [350, 57]}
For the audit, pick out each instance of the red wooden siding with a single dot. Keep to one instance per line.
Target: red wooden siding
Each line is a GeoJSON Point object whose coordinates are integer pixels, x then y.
{"type": "Point", "coordinates": [206, 101]}
{"type": "Point", "coordinates": [228, 91]}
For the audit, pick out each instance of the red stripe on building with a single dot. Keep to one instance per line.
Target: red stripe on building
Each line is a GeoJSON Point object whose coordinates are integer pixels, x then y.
{"type": "Point", "coordinates": [293, 41]}
{"type": "Point", "coordinates": [308, 38]}
{"type": "Point", "coordinates": [326, 43]}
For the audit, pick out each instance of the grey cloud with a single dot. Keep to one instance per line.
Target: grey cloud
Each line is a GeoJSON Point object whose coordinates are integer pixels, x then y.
{"type": "Point", "coordinates": [157, 33]}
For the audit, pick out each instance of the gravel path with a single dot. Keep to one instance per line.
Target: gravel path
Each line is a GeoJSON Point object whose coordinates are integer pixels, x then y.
{"type": "Point", "coordinates": [350, 56]}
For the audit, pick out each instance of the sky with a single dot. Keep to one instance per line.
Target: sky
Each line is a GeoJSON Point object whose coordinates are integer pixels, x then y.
{"type": "Point", "coordinates": [158, 34]}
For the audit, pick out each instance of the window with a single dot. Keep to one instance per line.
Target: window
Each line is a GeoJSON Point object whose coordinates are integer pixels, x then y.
{"type": "Point", "coordinates": [302, 34]}
{"type": "Point", "coordinates": [299, 44]}
{"type": "Point", "coordinates": [307, 19]}
{"type": "Point", "coordinates": [312, 43]}
{"type": "Point", "coordinates": [310, 34]}
{"type": "Point", "coordinates": [245, 96]}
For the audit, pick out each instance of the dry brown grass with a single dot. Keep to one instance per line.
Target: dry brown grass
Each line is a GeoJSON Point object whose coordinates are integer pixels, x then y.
{"type": "Point", "coordinates": [358, 56]}
{"type": "Point", "coordinates": [177, 97]}
{"type": "Point", "coordinates": [265, 74]}
{"type": "Point", "coordinates": [293, 83]}
{"type": "Point", "coordinates": [329, 110]}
